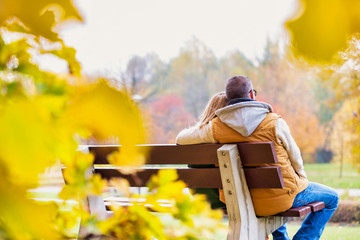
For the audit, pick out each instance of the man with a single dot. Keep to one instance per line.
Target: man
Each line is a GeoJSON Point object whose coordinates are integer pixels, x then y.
{"type": "Point", "coordinates": [247, 120]}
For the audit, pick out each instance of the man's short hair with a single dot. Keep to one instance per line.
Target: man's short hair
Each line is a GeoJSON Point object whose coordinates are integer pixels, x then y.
{"type": "Point", "coordinates": [238, 87]}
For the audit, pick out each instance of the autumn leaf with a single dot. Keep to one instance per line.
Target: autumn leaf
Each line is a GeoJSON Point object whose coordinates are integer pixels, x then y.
{"type": "Point", "coordinates": [27, 124]}
{"type": "Point", "coordinates": [36, 16]}
{"type": "Point", "coordinates": [106, 112]}
{"type": "Point", "coordinates": [34, 220]}
{"type": "Point", "coordinates": [68, 54]}
{"type": "Point", "coordinates": [321, 28]}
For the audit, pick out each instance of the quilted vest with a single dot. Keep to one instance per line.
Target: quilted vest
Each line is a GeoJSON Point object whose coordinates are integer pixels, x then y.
{"type": "Point", "coordinates": [266, 201]}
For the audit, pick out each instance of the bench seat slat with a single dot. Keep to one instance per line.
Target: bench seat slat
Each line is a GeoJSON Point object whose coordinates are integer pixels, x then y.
{"type": "Point", "coordinates": [193, 177]}
{"type": "Point", "coordinates": [316, 206]}
{"type": "Point", "coordinates": [296, 212]}
{"type": "Point", "coordinates": [264, 177]}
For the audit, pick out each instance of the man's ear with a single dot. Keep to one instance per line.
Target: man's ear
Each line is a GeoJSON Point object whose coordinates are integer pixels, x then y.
{"type": "Point", "coordinates": [252, 95]}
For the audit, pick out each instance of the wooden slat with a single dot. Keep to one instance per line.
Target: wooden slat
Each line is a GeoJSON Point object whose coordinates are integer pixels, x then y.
{"type": "Point", "coordinates": [193, 177]}
{"type": "Point", "coordinates": [264, 177]}
{"type": "Point", "coordinates": [101, 152]}
{"type": "Point", "coordinates": [183, 154]}
{"type": "Point", "coordinates": [166, 154]}
{"type": "Point", "coordinates": [253, 153]}
{"type": "Point", "coordinates": [295, 212]}
{"type": "Point", "coordinates": [316, 206]}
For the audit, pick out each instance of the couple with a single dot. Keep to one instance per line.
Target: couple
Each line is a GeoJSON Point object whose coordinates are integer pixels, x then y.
{"type": "Point", "coordinates": [235, 116]}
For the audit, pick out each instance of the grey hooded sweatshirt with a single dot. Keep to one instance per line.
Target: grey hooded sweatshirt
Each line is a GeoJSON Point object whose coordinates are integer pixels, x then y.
{"type": "Point", "coordinates": [244, 117]}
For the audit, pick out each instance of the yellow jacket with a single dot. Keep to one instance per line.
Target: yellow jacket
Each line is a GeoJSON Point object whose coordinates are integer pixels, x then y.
{"type": "Point", "coordinates": [254, 121]}
{"type": "Point", "coordinates": [266, 201]}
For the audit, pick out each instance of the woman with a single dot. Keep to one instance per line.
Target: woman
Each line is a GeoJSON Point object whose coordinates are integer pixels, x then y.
{"type": "Point", "coordinates": [202, 133]}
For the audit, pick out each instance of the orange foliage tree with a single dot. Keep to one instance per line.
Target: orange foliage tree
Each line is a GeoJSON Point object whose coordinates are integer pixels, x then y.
{"type": "Point", "coordinates": [168, 117]}
{"type": "Point", "coordinates": [282, 81]}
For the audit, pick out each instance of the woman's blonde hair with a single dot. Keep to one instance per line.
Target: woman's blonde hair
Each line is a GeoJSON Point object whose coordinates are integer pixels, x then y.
{"type": "Point", "coordinates": [218, 101]}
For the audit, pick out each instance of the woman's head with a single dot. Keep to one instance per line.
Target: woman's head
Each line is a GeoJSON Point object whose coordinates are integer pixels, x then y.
{"type": "Point", "coordinates": [218, 101]}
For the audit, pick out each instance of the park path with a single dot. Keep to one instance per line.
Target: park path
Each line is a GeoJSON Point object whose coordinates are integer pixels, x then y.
{"type": "Point", "coordinates": [352, 192]}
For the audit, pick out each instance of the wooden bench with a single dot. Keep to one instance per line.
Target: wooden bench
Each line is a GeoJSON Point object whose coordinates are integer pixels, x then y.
{"type": "Point", "coordinates": [240, 166]}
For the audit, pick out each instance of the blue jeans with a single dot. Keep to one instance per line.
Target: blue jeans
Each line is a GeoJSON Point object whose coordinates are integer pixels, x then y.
{"type": "Point", "coordinates": [314, 224]}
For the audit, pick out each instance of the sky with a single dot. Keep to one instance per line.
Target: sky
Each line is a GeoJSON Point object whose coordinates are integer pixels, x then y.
{"type": "Point", "coordinates": [115, 30]}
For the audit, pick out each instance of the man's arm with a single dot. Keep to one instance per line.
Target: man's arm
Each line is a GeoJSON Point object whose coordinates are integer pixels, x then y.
{"type": "Point", "coordinates": [195, 134]}
{"type": "Point", "coordinates": [285, 138]}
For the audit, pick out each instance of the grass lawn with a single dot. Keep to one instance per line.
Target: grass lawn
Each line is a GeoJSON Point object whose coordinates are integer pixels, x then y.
{"type": "Point", "coordinates": [328, 174]}
{"type": "Point", "coordinates": [331, 232]}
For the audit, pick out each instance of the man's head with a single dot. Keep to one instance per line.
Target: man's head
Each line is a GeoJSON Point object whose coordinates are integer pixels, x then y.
{"type": "Point", "coordinates": [239, 87]}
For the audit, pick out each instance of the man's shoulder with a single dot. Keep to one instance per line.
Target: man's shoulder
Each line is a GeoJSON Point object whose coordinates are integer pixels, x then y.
{"type": "Point", "coordinates": [272, 115]}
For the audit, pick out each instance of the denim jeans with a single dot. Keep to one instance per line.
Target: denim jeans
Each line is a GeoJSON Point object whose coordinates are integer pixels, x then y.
{"type": "Point", "coordinates": [314, 223]}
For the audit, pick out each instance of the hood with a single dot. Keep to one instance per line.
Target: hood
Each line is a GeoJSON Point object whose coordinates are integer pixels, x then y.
{"type": "Point", "coordinates": [244, 117]}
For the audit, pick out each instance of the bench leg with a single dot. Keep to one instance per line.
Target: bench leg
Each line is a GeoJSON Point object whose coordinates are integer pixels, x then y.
{"type": "Point", "coordinates": [267, 225]}
{"type": "Point", "coordinates": [95, 205]}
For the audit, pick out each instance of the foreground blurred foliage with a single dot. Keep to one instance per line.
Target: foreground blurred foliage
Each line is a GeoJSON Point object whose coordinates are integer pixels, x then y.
{"type": "Point", "coordinates": [321, 28]}
{"type": "Point", "coordinates": [45, 116]}
{"type": "Point", "coordinates": [190, 217]}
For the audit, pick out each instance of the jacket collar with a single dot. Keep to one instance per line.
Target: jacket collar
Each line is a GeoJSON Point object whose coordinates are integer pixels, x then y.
{"type": "Point", "coordinates": [237, 100]}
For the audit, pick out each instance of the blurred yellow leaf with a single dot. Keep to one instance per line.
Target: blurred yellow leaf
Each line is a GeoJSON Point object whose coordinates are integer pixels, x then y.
{"type": "Point", "coordinates": [128, 158]}
{"type": "Point", "coordinates": [164, 177]}
{"type": "Point", "coordinates": [323, 27]}
{"type": "Point", "coordinates": [106, 112]}
{"type": "Point", "coordinates": [68, 54]}
{"type": "Point", "coordinates": [121, 185]}
{"type": "Point", "coordinates": [34, 14]}
{"type": "Point", "coordinates": [133, 222]}
{"type": "Point", "coordinates": [67, 221]}
{"type": "Point", "coordinates": [79, 182]}
{"type": "Point", "coordinates": [22, 218]}
{"type": "Point", "coordinates": [18, 49]}
{"type": "Point", "coordinates": [27, 140]}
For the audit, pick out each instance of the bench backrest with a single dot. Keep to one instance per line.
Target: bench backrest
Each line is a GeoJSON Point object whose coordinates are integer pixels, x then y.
{"type": "Point", "coordinates": [197, 165]}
